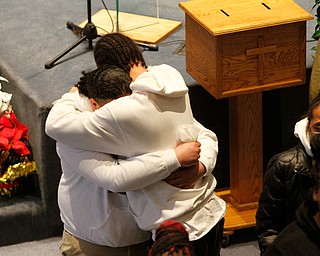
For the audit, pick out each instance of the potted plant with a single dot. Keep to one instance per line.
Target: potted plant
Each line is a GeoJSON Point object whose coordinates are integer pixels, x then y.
{"type": "Point", "coordinates": [16, 160]}
{"type": "Point", "coordinates": [316, 33]}
{"type": "Point", "coordinates": [314, 86]}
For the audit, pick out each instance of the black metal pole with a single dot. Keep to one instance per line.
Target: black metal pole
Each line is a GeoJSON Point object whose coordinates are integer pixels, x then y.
{"type": "Point", "coordinates": [88, 32]}
{"type": "Point", "coordinates": [90, 22]}
{"type": "Point", "coordinates": [89, 10]}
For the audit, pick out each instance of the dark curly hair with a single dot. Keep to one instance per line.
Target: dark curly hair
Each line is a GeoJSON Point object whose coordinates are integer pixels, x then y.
{"type": "Point", "coordinates": [116, 49]}
{"type": "Point", "coordinates": [104, 83]}
{"type": "Point", "coordinates": [315, 103]}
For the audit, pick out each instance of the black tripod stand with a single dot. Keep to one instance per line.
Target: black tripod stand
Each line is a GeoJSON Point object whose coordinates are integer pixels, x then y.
{"type": "Point", "coordinates": [88, 32]}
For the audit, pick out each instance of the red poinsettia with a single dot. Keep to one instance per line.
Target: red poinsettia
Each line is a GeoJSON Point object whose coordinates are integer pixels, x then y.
{"type": "Point", "coordinates": [12, 134]}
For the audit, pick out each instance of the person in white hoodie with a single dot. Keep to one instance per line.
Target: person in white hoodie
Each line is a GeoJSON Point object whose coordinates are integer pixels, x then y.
{"type": "Point", "coordinates": [97, 221]}
{"type": "Point", "coordinates": [287, 180]}
{"type": "Point", "coordinates": [148, 120]}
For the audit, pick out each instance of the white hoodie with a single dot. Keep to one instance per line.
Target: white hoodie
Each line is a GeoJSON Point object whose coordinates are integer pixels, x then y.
{"type": "Point", "coordinates": [147, 121]}
{"type": "Point", "coordinates": [87, 209]}
{"type": "Point", "coordinates": [300, 131]}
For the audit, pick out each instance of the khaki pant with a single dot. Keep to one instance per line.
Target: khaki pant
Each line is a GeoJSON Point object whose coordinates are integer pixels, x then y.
{"type": "Point", "coordinates": [73, 246]}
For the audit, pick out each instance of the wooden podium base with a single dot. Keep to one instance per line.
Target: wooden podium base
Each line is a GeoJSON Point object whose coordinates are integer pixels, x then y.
{"type": "Point", "coordinates": [235, 219]}
{"type": "Point", "coordinates": [138, 27]}
{"type": "Point", "coordinates": [246, 171]}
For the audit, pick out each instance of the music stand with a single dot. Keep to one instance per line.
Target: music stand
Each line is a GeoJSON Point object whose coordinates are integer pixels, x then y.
{"type": "Point", "coordinates": [88, 32]}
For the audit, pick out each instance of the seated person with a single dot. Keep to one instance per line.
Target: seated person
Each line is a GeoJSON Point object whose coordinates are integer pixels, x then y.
{"type": "Point", "coordinates": [302, 237]}
{"type": "Point", "coordinates": [287, 180]}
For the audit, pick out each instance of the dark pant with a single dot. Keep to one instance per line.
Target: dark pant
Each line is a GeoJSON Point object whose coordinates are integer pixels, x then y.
{"type": "Point", "coordinates": [211, 243]}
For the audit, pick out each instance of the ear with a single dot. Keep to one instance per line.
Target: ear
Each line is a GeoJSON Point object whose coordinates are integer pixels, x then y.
{"type": "Point", "coordinates": [94, 104]}
{"type": "Point", "coordinates": [316, 195]}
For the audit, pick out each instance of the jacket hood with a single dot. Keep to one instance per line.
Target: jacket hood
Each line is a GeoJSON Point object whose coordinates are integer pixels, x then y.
{"type": "Point", "coordinates": [300, 131]}
{"type": "Point", "coordinates": [162, 80]}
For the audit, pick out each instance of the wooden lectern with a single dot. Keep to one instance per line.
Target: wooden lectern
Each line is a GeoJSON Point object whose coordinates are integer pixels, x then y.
{"type": "Point", "coordinates": [237, 49]}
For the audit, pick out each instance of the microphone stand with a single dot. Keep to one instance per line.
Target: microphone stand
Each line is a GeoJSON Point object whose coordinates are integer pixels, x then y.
{"type": "Point", "coordinates": [89, 32]}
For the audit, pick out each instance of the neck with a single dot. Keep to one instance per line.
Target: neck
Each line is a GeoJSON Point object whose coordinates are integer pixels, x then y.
{"type": "Point", "coordinates": [136, 71]}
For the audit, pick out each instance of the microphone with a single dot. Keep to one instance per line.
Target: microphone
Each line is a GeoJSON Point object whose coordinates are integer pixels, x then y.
{"type": "Point", "coordinates": [150, 47]}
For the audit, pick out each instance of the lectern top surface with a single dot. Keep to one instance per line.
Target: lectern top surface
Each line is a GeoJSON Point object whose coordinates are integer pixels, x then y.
{"type": "Point", "coordinates": [229, 16]}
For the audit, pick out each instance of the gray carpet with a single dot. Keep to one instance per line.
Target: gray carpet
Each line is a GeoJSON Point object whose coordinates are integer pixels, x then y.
{"type": "Point", "coordinates": [241, 243]}
{"type": "Point", "coordinates": [50, 247]}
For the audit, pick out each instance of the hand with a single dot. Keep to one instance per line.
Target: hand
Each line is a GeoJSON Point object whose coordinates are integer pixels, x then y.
{"type": "Point", "coordinates": [186, 177]}
{"type": "Point", "coordinates": [188, 153]}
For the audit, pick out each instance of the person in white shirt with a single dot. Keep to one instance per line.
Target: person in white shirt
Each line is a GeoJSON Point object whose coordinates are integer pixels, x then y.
{"type": "Point", "coordinates": [96, 220]}
{"type": "Point", "coordinates": [148, 120]}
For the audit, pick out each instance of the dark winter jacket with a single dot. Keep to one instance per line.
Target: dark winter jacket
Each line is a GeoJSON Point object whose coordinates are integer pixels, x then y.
{"type": "Point", "coordinates": [286, 183]}
{"type": "Point", "coordinates": [301, 237]}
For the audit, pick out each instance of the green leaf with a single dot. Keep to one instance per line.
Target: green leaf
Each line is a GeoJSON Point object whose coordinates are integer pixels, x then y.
{"type": "Point", "coordinates": [316, 3]}
{"type": "Point", "coordinates": [316, 35]}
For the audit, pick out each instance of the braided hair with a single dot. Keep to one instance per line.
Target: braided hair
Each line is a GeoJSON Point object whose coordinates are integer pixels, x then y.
{"type": "Point", "coordinates": [171, 239]}
{"type": "Point", "coordinates": [104, 83]}
{"type": "Point", "coordinates": [118, 50]}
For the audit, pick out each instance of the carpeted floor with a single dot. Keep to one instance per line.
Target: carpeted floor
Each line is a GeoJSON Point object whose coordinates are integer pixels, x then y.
{"type": "Point", "coordinates": [50, 247]}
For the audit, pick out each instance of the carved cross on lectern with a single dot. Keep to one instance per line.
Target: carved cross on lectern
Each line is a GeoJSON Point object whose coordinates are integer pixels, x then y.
{"type": "Point", "coordinates": [261, 50]}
